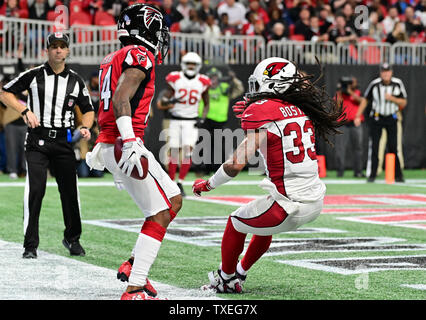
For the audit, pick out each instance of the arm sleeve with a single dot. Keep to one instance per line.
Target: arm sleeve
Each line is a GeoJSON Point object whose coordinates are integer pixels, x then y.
{"type": "Point", "coordinates": [254, 117]}
{"type": "Point", "coordinates": [368, 91]}
{"type": "Point", "coordinates": [403, 93]}
{"type": "Point", "coordinates": [83, 100]}
{"type": "Point", "coordinates": [21, 82]}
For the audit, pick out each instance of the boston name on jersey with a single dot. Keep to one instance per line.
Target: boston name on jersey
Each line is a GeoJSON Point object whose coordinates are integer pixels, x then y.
{"type": "Point", "coordinates": [290, 156]}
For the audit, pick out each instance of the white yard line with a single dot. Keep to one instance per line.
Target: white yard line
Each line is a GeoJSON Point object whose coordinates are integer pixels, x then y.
{"type": "Point", "coordinates": [53, 277]}
{"type": "Point", "coordinates": [421, 183]}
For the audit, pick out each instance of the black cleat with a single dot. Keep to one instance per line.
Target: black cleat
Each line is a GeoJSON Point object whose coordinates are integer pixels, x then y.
{"type": "Point", "coordinates": [30, 254]}
{"type": "Point", "coordinates": [241, 277]}
{"type": "Point", "coordinates": [75, 248]}
{"type": "Point", "coordinates": [181, 189]}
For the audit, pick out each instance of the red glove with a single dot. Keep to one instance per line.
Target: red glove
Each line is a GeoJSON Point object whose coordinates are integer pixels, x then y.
{"type": "Point", "coordinates": [239, 108]}
{"type": "Point", "coordinates": [201, 185]}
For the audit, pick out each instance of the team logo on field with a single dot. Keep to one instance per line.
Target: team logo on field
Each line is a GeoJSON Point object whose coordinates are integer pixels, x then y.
{"type": "Point", "coordinates": [349, 266]}
{"type": "Point", "coordinates": [274, 68]}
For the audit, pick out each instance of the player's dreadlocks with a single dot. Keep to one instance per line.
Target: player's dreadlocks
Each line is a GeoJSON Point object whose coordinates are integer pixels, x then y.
{"type": "Point", "coordinates": [325, 113]}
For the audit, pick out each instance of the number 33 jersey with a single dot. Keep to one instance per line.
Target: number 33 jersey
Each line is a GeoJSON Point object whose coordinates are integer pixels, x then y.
{"type": "Point", "coordinates": [111, 68]}
{"type": "Point", "coordinates": [188, 92]}
{"type": "Point", "coordinates": [289, 153]}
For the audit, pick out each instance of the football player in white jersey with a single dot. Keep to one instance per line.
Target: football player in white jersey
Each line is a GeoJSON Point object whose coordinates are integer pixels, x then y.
{"type": "Point", "coordinates": [281, 117]}
{"type": "Point", "coordinates": [185, 90]}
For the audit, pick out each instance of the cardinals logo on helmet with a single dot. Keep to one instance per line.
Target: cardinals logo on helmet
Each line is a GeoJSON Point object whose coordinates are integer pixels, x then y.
{"type": "Point", "coordinates": [151, 14]}
{"type": "Point", "coordinates": [274, 68]}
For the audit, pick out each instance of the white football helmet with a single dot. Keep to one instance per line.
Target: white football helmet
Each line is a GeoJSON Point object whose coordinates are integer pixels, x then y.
{"type": "Point", "coordinates": [191, 58]}
{"type": "Point", "coordinates": [272, 75]}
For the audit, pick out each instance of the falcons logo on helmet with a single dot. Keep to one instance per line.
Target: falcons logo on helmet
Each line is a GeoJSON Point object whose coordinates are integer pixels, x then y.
{"type": "Point", "coordinates": [150, 15]}
{"type": "Point", "coordinates": [274, 68]}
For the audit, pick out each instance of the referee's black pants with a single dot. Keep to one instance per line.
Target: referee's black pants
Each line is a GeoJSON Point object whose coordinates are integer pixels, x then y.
{"type": "Point", "coordinates": [57, 154]}
{"type": "Point", "coordinates": [375, 127]}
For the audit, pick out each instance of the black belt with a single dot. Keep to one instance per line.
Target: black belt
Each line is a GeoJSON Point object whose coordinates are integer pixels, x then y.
{"type": "Point", "coordinates": [49, 133]}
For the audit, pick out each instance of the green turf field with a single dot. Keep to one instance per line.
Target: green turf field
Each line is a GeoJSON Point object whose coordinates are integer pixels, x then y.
{"type": "Point", "coordinates": [369, 243]}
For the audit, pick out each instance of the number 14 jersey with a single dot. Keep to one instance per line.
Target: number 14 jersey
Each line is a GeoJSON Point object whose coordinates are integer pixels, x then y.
{"type": "Point", "coordinates": [289, 154]}
{"type": "Point", "coordinates": [111, 68]}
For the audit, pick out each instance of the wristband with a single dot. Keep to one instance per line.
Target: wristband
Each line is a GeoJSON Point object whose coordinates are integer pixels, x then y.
{"type": "Point", "coordinates": [25, 111]}
{"type": "Point", "coordinates": [124, 125]}
{"type": "Point", "coordinates": [219, 178]}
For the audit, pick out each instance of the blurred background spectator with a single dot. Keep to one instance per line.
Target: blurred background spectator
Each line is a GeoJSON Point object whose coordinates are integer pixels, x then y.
{"type": "Point", "coordinates": [352, 136]}
{"type": "Point", "coordinates": [14, 127]}
{"type": "Point", "coordinates": [184, 7]}
{"type": "Point", "coordinates": [114, 7]}
{"type": "Point", "coordinates": [38, 9]}
{"type": "Point", "coordinates": [390, 20]}
{"type": "Point", "coordinates": [172, 14]}
{"type": "Point", "coordinates": [374, 29]}
{"type": "Point", "coordinates": [191, 23]}
{"type": "Point", "coordinates": [236, 13]}
{"type": "Point", "coordinates": [398, 33]}
{"type": "Point", "coordinates": [205, 9]}
{"type": "Point", "coordinates": [278, 32]}
{"type": "Point", "coordinates": [341, 32]}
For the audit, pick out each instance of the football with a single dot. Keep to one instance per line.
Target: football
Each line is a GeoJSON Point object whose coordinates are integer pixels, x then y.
{"type": "Point", "coordinates": [144, 161]}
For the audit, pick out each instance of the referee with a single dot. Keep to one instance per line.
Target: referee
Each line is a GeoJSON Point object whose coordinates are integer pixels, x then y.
{"type": "Point", "coordinates": [53, 91]}
{"type": "Point", "coordinates": [386, 95]}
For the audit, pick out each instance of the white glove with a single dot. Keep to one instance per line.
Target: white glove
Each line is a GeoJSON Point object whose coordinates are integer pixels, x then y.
{"type": "Point", "coordinates": [118, 182]}
{"type": "Point", "coordinates": [132, 152]}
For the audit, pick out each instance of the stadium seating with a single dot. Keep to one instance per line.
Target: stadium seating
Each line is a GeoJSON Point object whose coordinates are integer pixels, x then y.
{"type": "Point", "coordinates": [103, 18]}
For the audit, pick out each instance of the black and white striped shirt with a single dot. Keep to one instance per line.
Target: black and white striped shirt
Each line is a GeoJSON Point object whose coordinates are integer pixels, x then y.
{"type": "Point", "coordinates": [52, 97]}
{"type": "Point", "coordinates": [376, 92]}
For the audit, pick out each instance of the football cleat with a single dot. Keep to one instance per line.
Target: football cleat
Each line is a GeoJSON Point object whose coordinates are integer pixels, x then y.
{"type": "Point", "coordinates": [220, 285]}
{"type": "Point", "coordinates": [139, 294]}
{"type": "Point", "coordinates": [241, 277]}
{"type": "Point", "coordinates": [123, 274]}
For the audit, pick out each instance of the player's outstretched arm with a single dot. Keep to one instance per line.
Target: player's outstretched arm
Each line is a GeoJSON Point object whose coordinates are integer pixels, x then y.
{"type": "Point", "coordinates": [233, 166]}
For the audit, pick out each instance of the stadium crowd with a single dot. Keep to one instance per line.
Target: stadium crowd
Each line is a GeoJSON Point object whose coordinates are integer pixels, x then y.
{"type": "Point", "coordinates": [313, 20]}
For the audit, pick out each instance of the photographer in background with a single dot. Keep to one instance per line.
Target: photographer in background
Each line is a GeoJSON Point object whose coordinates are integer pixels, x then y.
{"type": "Point", "coordinates": [348, 93]}
{"type": "Point", "coordinates": [223, 90]}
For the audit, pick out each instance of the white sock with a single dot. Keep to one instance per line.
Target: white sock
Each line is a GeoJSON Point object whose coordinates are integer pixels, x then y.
{"type": "Point", "coordinates": [226, 276]}
{"type": "Point", "coordinates": [145, 252]}
{"type": "Point", "coordinates": [240, 269]}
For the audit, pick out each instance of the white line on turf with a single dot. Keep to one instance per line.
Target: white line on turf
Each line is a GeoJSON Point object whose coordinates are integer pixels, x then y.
{"type": "Point", "coordinates": [415, 286]}
{"type": "Point", "coordinates": [53, 277]}
{"type": "Point", "coordinates": [420, 183]}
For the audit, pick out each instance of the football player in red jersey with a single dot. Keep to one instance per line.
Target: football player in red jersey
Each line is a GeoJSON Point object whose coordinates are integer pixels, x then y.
{"type": "Point", "coordinates": [281, 117]}
{"type": "Point", "coordinates": [184, 92]}
{"type": "Point", "coordinates": [126, 84]}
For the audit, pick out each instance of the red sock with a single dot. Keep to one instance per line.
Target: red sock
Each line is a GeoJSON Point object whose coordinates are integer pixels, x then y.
{"type": "Point", "coordinates": [184, 168]}
{"type": "Point", "coordinates": [173, 164]}
{"type": "Point", "coordinates": [232, 246]}
{"type": "Point", "coordinates": [153, 230]}
{"type": "Point", "coordinates": [257, 247]}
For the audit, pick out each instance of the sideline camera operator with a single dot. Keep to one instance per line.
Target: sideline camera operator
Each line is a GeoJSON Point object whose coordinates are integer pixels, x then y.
{"type": "Point", "coordinates": [347, 91]}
